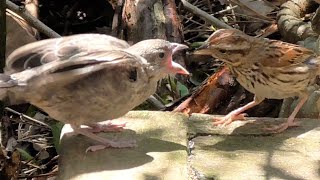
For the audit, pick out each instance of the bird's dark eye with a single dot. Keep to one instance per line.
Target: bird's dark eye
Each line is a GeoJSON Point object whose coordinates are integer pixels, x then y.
{"type": "Point", "coordinates": [223, 51]}
{"type": "Point", "coordinates": [161, 55]}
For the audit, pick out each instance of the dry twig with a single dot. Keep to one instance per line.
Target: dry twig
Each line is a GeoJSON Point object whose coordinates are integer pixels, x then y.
{"type": "Point", "coordinates": [27, 117]}
{"type": "Point", "coordinates": [205, 16]}
{"type": "Point", "coordinates": [34, 22]}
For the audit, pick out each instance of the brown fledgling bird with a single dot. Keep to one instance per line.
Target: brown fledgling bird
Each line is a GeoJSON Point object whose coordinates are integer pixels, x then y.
{"type": "Point", "coordinates": [88, 78]}
{"type": "Point", "coordinates": [267, 68]}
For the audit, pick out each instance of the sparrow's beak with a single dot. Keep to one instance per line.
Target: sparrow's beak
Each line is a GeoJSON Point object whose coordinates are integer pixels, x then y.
{"type": "Point", "coordinates": [177, 47]}
{"type": "Point", "coordinates": [203, 49]}
{"type": "Point", "coordinates": [173, 66]}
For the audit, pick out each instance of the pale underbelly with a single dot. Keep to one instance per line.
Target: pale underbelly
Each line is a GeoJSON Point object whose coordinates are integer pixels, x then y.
{"type": "Point", "coordinates": [91, 107]}
{"type": "Point", "coordinates": [274, 89]}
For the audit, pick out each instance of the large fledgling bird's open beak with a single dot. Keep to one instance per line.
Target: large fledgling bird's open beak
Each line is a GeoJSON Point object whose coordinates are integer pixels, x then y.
{"type": "Point", "coordinates": [173, 66]}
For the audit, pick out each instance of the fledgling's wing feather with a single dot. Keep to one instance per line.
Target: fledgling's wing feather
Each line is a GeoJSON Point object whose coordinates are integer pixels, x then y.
{"type": "Point", "coordinates": [64, 72]}
{"type": "Point", "coordinates": [59, 49]}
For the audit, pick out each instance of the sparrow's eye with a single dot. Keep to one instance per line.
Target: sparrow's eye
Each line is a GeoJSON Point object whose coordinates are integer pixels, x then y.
{"type": "Point", "coordinates": [161, 55]}
{"type": "Point", "coordinates": [223, 51]}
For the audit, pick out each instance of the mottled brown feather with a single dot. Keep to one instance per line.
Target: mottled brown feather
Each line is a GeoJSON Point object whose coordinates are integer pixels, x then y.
{"type": "Point", "coordinates": [281, 54]}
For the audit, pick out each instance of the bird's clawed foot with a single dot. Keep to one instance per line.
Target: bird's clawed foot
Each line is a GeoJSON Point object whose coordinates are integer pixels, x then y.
{"type": "Point", "coordinates": [113, 144]}
{"type": "Point", "coordinates": [229, 118]}
{"type": "Point", "coordinates": [107, 126]}
{"type": "Point", "coordinates": [282, 127]}
{"type": "Point", "coordinates": [103, 142]}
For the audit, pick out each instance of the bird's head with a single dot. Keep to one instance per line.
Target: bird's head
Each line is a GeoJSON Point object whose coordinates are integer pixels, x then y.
{"type": "Point", "coordinates": [158, 54]}
{"type": "Point", "coordinates": [228, 45]}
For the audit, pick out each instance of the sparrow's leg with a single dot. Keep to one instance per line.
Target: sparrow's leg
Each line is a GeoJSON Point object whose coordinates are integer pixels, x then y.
{"type": "Point", "coordinates": [106, 143]}
{"type": "Point", "coordinates": [290, 122]}
{"type": "Point", "coordinates": [237, 114]}
{"type": "Point", "coordinates": [106, 126]}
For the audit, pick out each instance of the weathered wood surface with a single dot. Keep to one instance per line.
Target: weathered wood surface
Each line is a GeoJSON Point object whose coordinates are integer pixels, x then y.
{"type": "Point", "coordinates": [242, 150]}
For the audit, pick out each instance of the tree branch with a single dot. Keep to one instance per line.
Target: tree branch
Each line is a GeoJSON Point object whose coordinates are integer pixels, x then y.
{"type": "Point", "coordinates": [3, 33]}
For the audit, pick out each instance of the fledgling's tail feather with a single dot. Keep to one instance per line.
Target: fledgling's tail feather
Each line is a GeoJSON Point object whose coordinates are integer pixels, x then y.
{"type": "Point", "coordinates": [6, 82]}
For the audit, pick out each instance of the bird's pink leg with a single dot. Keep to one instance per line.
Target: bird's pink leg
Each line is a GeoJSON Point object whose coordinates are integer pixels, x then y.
{"type": "Point", "coordinates": [106, 126]}
{"type": "Point", "coordinates": [290, 122]}
{"type": "Point", "coordinates": [236, 114]}
{"type": "Point", "coordinates": [106, 143]}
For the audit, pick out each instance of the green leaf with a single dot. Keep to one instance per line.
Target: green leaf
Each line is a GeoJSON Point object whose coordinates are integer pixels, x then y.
{"type": "Point", "coordinates": [196, 44]}
{"type": "Point", "coordinates": [31, 111]}
{"type": "Point", "coordinates": [56, 131]}
{"type": "Point", "coordinates": [172, 83]}
{"type": "Point", "coordinates": [182, 89]}
{"type": "Point", "coordinates": [24, 154]}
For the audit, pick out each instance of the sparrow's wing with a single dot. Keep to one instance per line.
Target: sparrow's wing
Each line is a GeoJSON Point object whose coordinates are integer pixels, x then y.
{"type": "Point", "coordinates": [60, 49]}
{"type": "Point", "coordinates": [282, 54]}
